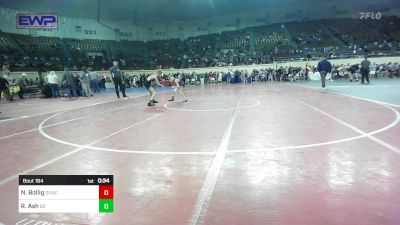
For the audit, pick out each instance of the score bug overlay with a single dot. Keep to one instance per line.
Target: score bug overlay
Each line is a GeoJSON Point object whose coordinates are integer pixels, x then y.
{"type": "Point", "coordinates": [66, 194]}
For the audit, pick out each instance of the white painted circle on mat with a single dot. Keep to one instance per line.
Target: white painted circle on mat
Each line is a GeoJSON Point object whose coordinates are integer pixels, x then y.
{"type": "Point", "coordinates": [131, 151]}
{"type": "Point", "coordinates": [256, 103]}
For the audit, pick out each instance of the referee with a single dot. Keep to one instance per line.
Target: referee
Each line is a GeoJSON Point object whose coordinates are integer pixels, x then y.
{"type": "Point", "coordinates": [365, 64]}
{"type": "Point", "coordinates": [118, 79]}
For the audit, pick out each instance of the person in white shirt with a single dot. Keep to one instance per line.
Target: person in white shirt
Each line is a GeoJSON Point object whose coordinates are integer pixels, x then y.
{"type": "Point", "coordinates": [52, 80]}
{"type": "Point", "coordinates": [177, 87]}
{"type": "Point", "coordinates": [243, 76]}
{"type": "Point", "coordinates": [220, 77]}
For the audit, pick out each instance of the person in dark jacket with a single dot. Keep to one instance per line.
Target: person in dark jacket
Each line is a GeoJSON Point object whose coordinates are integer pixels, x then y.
{"type": "Point", "coordinates": [69, 80]}
{"type": "Point", "coordinates": [324, 67]}
{"type": "Point", "coordinates": [353, 73]}
{"type": "Point", "coordinates": [117, 77]}
{"type": "Point", "coordinates": [364, 70]}
{"type": "Point", "coordinates": [4, 88]}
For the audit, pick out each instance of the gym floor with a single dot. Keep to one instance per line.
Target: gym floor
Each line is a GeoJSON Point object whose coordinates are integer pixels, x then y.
{"type": "Point", "coordinates": [256, 154]}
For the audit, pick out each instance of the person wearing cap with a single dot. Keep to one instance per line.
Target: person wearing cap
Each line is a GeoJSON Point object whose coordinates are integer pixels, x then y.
{"type": "Point", "coordinates": [153, 78]}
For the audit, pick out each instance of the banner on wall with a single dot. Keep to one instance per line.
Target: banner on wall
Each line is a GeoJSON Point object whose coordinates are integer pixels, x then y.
{"type": "Point", "coordinates": [37, 21]}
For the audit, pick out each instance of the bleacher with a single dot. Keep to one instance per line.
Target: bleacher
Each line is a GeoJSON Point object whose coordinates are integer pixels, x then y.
{"type": "Point", "coordinates": [126, 49]}
{"type": "Point", "coordinates": [6, 46]}
{"type": "Point", "coordinates": [197, 50]}
{"type": "Point", "coordinates": [80, 48]}
{"type": "Point", "coordinates": [310, 35]}
{"type": "Point", "coordinates": [238, 39]}
{"type": "Point", "coordinates": [8, 51]}
{"type": "Point", "coordinates": [40, 46]}
{"type": "Point", "coordinates": [269, 38]}
{"type": "Point", "coordinates": [230, 47]}
{"type": "Point", "coordinates": [203, 45]}
{"type": "Point", "coordinates": [131, 51]}
{"type": "Point", "coordinates": [389, 27]}
{"type": "Point", "coordinates": [164, 52]}
{"type": "Point", "coordinates": [354, 31]}
{"type": "Point", "coordinates": [86, 45]}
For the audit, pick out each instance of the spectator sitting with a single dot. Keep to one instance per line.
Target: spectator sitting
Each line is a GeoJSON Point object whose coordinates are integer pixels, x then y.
{"type": "Point", "coordinates": [353, 73]}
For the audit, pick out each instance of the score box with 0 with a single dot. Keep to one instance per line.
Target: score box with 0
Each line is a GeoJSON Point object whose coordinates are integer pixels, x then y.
{"type": "Point", "coordinates": [106, 198]}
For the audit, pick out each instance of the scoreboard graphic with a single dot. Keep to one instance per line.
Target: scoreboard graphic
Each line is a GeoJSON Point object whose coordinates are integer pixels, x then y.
{"type": "Point", "coordinates": [66, 194]}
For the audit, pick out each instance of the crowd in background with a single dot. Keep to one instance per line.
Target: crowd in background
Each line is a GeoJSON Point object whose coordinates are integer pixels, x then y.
{"type": "Point", "coordinates": [70, 84]}
{"type": "Point", "coordinates": [86, 82]}
{"type": "Point", "coordinates": [350, 72]}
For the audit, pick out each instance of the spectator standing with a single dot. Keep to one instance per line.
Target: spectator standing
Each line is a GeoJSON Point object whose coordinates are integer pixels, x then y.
{"type": "Point", "coordinates": [243, 77]}
{"type": "Point", "coordinates": [228, 77]}
{"type": "Point", "coordinates": [273, 75]}
{"type": "Point", "coordinates": [182, 78]}
{"type": "Point", "coordinates": [52, 79]}
{"type": "Point", "coordinates": [21, 82]}
{"type": "Point", "coordinates": [85, 82]}
{"type": "Point", "coordinates": [7, 76]}
{"type": "Point", "coordinates": [5, 71]}
{"type": "Point", "coordinates": [307, 70]}
{"type": "Point", "coordinates": [78, 84]}
{"type": "Point", "coordinates": [94, 80]}
{"type": "Point", "coordinates": [69, 80]}
{"type": "Point", "coordinates": [4, 88]}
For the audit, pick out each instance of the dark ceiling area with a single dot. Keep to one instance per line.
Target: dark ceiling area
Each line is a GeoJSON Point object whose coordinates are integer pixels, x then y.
{"type": "Point", "coordinates": [171, 10]}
